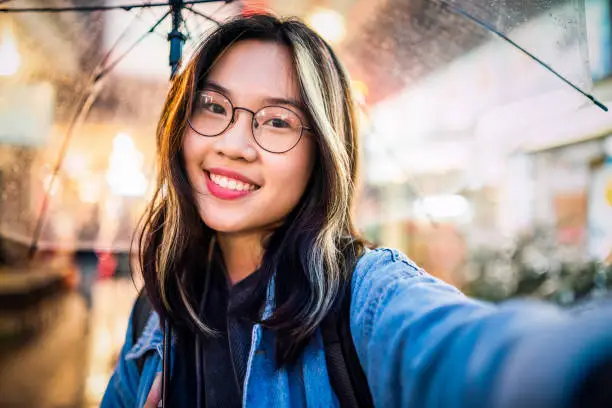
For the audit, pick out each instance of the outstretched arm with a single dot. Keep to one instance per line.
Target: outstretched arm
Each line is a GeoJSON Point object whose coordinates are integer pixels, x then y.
{"type": "Point", "coordinates": [424, 344]}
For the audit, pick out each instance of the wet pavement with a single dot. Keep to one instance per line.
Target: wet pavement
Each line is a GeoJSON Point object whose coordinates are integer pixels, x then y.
{"type": "Point", "coordinates": [66, 360]}
{"type": "Point", "coordinates": [48, 368]}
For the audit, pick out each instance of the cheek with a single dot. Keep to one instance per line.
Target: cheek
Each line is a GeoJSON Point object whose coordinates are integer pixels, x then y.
{"type": "Point", "coordinates": [193, 150]}
{"type": "Point", "coordinates": [291, 172]}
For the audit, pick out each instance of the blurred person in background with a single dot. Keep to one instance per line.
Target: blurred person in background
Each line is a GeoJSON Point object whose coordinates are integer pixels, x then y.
{"type": "Point", "coordinates": [121, 241]}
{"type": "Point", "coordinates": [260, 291]}
{"type": "Point", "coordinates": [85, 255]}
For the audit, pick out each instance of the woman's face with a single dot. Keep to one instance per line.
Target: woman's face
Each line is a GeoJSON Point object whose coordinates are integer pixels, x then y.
{"type": "Point", "coordinates": [238, 186]}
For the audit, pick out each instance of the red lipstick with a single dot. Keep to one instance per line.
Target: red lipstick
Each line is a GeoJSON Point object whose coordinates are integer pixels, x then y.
{"type": "Point", "coordinates": [224, 193]}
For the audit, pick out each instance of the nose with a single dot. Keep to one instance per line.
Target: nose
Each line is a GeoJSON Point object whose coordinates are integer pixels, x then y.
{"type": "Point", "coordinates": [237, 141]}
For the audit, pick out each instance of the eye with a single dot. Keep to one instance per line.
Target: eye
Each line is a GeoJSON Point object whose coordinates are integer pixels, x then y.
{"type": "Point", "coordinates": [278, 123]}
{"type": "Point", "coordinates": [214, 108]}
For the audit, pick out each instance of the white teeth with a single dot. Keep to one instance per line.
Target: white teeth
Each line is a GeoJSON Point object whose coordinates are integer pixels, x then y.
{"type": "Point", "coordinates": [231, 184]}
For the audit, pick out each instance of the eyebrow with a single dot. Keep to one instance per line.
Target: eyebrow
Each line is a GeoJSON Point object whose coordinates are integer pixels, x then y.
{"type": "Point", "coordinates": [213, 86]}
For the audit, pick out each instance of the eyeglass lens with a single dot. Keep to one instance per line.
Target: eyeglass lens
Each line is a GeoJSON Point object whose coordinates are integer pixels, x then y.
{"type": "Point", "coordinates": [275, 128]}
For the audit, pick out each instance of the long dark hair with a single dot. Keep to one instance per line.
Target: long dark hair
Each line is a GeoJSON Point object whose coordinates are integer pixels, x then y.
{"type": "Point", "coordinates": [310, 257]}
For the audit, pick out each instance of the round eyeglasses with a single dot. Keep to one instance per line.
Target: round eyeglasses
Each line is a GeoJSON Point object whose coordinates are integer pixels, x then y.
{"type": "Point", "coordinates": [275, 129]}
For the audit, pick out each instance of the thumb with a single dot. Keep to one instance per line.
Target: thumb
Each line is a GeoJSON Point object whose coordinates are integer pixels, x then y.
{"type": "Point", "coordinates": [154, 397]}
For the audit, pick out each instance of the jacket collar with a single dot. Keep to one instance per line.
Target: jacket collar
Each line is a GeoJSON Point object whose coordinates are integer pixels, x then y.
{"type": "Point", "coordinates": [152, 337]}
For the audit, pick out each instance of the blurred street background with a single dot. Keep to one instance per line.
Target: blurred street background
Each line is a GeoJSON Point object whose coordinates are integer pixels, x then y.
{"type": "Point", "coordinates": [484, 167]}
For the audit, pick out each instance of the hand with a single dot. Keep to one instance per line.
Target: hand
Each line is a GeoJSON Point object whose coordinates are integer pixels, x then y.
{"type": "Point", "coordinates": [154, 397]}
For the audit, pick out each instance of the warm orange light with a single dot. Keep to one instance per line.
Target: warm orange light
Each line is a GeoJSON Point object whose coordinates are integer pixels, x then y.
{"type": "Point", "coordinates": [360, 91]}
{"type": "Point", "coordinates": [10, 60]}
{"type": "Point", "coordinates": [124, 175]}
{"type": "Point", "coordinates": [329, 24]}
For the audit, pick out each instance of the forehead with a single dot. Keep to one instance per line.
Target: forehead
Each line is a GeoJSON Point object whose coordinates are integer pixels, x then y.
{"type": "Point", "coordinates": [257, 69]}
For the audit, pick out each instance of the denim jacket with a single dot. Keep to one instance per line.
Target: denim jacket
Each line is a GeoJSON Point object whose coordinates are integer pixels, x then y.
{"type": "Point", "coordinates": [421, 343]}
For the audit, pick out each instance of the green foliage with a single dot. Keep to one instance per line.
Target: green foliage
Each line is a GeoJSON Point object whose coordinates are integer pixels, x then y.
{"type": "Point", "coordinates": [537, 267]}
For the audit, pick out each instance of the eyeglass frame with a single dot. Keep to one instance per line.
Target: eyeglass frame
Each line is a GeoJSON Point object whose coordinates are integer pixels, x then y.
{"type": "Point", "coordinates": [253, 113]}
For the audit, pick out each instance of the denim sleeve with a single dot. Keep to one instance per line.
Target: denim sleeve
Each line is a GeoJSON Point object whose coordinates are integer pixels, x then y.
{"type": "Point", "coordinates": [122, 388]}
{"type": "Point", "coordinates": [424, 344]}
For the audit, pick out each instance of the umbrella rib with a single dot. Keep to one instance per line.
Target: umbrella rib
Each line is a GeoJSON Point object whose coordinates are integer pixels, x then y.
{"type": "Point", "coordinates": [121, 36]}
{"type": "Point", "coordinates": [138, 41]}
{"type": "Point", "coordinates": [192, 10]}
{"type": "Point", "coordinates": [188, 31]}
{"type": "Point", "coordinates": [88, 97]}
{"type": "Point", "coordinates": [484, 24]}
{"type": "Point", "coordinates": [202, 15]}
{"type": "Point", "coordinates": [142, 18]}
{"type": "Point", "coordinates": [126, 7]}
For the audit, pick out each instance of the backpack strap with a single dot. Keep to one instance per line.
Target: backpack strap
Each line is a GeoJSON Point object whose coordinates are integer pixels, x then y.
{"type": "Point", "coordinates": [140, 316]}
{"type": "Point", "coordinates": [346, 374]}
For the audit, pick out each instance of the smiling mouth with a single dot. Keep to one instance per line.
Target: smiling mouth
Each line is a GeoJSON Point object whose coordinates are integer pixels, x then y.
{"type": "Point", "coordinates": [231, 184]}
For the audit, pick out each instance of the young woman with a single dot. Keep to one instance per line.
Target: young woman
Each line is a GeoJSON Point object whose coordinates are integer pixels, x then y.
{"type": "Point", "coordinates": [249, 246]}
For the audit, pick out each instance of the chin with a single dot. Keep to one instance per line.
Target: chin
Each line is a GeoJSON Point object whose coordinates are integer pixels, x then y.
{"type": "Point", "coordinates": [226, 225]}
{"type": "Point", "coordinates": [226, 220]}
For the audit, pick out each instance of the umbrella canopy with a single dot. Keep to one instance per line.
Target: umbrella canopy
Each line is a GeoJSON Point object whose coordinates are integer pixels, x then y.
{"type": "Point", "coordinates": [442, 87]}
{"type": "Point", "coordinates": [414, 38]}
{"type": "Point", "coordinates": [451, 79]}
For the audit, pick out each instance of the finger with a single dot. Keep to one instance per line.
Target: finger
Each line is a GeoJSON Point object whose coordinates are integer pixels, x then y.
{"type": "Point", "coordinates": [154, 397]}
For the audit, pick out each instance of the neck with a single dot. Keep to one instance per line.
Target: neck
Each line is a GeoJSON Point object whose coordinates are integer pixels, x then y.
{"type": "Point", "coordinates": [242, 254]}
